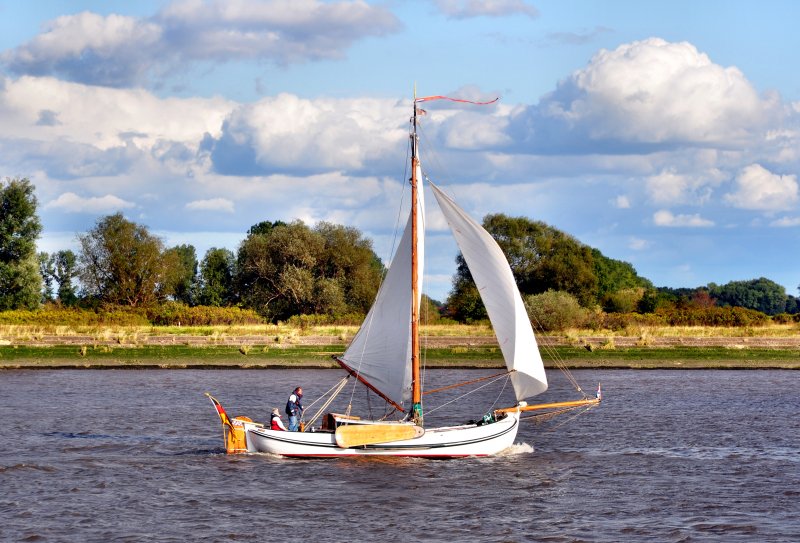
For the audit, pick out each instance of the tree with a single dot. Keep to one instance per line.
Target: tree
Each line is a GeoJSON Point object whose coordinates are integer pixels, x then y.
{"type": "Point", "coordinates": [792, 304]}
{"type": "Point", "coordinates": [348, 259]}
{"type": "Point", "coordinates": [20, 278]}
{"type": "Point", "coordinates": [760, 294]}
{"type": "Point", "coordinates": [615, 275]}
{"type": "Point", "coordinates": [184, 280]}
{"type": "Point", "coordinates": [46, 271]}
{"type": "Point", "coordinates": [464, 302]}
{"type": "Point", "coordinates": [66, 269]}
{"type": "Point", "coordinates": [544, 258]}
{"type": "Point", "coordinates": [59, 268]}
{"type": "Point", "coordinates": [122, 263]}
{"type": "Point", "coordinates": [291, 269]}
{"type": "Point", "coordinates": [541, 258]}
{"type": "Point", "coordinates": [216, 278]}
{"type": "Point", "coordinates": [264, 227]}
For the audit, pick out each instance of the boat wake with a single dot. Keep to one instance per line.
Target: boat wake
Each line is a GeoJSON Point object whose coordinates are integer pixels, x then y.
{"type": "Point", "coordinates": [517, 449]}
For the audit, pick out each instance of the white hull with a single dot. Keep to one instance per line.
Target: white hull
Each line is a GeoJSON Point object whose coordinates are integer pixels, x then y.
{"type": "Point", "coordinates": [448, 442]}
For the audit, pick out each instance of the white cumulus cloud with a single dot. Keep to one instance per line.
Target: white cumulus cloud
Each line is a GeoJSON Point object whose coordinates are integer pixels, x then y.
{"type": "Point", "coordinates": [212, 204]}
{"type": "Point", "coordinates": [287, 132]}
{"type": "Point", "coordinates": [759, 189]}
{"type": "Point", "coordinates": [670, 187]}
{"type": "Point", "coordinates": [72, 203]}
{"type": "Point", "coordinates": [666, 218]}
{"type": "Point", "coordinates": [649, 94]}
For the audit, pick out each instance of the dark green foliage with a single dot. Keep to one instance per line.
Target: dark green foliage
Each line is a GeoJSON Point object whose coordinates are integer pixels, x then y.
{"type": "Point", "coordinates": [544, 258]}
{"type": "Point", "coordinates": [541, 258]}
{"type": "Point", "coordinates": [615, 275]}
{"type": "Point", "coordinates": [216, 278]}
{"type": "Point", "coordinates": [59, 268]}
{"type": "Point", "coordinates": [46, 271]}
{"type": "Point", "coordinates": [122, 263]}
{"type": "Point", "coordinates": [464, 303]}
{"type": "Point", "coordinates": [759, 294]}
{"type": "Point", "coordinates": [184, 278]}
{"type": "Point", "coordinates": [293, 269]}
{"type": "Point", "coordinates": [264, 227]}
{"type": "Point", "coordinates": [20, 278]}
{"type": "Point", "coordinates": [65, 269]}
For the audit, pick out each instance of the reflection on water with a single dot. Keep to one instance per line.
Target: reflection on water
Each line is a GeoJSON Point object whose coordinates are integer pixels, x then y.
{"type": "Point", "coordinates": [137, 455]}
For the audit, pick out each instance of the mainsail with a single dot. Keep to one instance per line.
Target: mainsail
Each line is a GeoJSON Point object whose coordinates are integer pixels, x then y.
{"type": "Point", "coordinates": [380, 353]}
{"type": "Point", "coordinates": [500, 295]}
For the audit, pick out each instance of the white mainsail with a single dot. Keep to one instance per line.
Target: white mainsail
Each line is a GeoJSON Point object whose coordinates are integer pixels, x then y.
{"type": "Point", "coordinates": [500, 295]}
{"type": "Point", "coordinates": [381, 350]}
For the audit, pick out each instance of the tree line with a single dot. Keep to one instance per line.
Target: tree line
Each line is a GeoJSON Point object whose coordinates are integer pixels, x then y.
{"type": "Point", "coordinates": [281, 270]}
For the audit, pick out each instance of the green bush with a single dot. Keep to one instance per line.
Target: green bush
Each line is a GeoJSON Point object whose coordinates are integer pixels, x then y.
{"type": "Point", "coordinates": [309, 321]}
{"type": "Point", "coordinates": [786, 318]}
{"type": "Point", "coordinates": [625, 300]}
{"type": "Point", "coordinates": [73, 316]}
{"type": "Point", "coordinates": [178, 314]}
{"type": "Point", "coordinates": [714, 316]}
{"type": "Point", "coordinates": [555, 310]}
{"type": "Point", "coordinates": [621, 321]}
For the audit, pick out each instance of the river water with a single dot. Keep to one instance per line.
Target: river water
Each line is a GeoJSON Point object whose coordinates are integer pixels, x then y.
{"type": "Point", "coordinates": [136, 455]}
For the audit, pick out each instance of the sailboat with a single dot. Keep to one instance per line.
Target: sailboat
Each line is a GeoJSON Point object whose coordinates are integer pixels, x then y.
{"type": "Point", "coordinates": [384, 355]}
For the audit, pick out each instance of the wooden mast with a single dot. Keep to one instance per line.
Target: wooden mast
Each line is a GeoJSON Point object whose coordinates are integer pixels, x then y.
{"type": "Point", "coordinates": [416, 384]}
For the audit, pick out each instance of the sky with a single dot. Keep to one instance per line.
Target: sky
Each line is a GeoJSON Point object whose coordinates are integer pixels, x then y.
{"type": "Point", "coordinates": [665, 134]}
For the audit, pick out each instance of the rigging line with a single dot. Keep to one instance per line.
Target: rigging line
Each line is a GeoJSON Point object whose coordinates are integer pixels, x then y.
{"type": "Point", "coordinates": [491, 407]}
{"type": "Point", "coordinates": [547, 416]}
{"type": "Point", "coordinates": [449, 184]}
{"type": "Point", "coordinates": [386, 268]}
{"type": "Point", "coordinates": [466, 394]}
{"type": "Point", "coordinates": [339, 387]}
{"type": "Point", "coordinates": [435, 159]}
{"type": "Point", "coordinates": [559, 362]}
{"type": "Point", "coordinates": [338, 384]}
{"type": "Point", "coordinates": [456, 385]}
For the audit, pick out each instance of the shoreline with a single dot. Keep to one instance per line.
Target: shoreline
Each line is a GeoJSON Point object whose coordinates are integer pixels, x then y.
{"type": "Point", "coordinates": [272, 348]}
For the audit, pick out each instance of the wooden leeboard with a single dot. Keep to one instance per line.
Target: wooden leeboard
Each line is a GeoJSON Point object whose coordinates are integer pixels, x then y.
{"type": "Point", "coordinates": [355, 435]}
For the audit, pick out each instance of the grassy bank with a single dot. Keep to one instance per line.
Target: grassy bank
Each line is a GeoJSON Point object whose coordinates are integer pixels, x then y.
{"type": "Point", "coordinates": [270, 355]}
{"type": "Point", "coordinates": [281, 345]}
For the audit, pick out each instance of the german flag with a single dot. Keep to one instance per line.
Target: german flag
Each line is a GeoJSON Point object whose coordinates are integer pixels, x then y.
{"type": "Point", "coordinates": [223, 416]}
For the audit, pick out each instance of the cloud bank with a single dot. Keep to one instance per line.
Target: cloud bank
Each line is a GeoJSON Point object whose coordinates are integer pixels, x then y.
{"type": "Point", "coordinates": [124, 51]}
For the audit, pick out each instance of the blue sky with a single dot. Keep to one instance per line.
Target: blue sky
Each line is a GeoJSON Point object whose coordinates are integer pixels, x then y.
{"type": "Point", "coordinates": [666, 134]}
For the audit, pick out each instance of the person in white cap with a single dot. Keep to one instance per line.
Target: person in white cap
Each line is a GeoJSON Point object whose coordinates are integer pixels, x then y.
{"type": "Point", "coordinates": [275, 422]}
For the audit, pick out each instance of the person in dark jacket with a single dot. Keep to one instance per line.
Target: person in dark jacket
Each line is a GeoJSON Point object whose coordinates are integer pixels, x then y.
{"type": "Point", "coordinates": [294, 409]}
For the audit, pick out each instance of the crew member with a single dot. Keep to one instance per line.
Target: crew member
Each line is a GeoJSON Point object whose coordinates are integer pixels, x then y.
{"type": "Point", "coordinates": [294, 409]}
{"type": "Point", "coordinates": [275, 422]}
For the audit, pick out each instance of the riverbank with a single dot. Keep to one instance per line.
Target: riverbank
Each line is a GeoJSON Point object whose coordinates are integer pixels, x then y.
{"type": "Point", "coordinates": [277, 346]}
{"type": "Point", "coordinates": [320, 356]}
